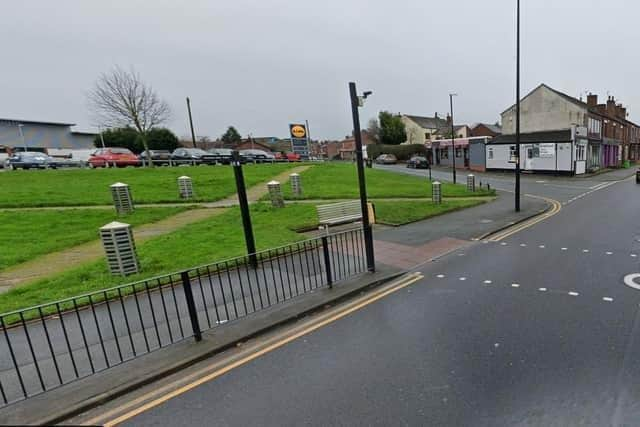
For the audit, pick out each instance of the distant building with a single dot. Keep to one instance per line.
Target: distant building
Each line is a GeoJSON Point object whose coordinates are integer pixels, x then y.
{"type": "Point", "coordinates": [347, 147]}
{"type": "Point", "coordinates": [422, 130]}
{"type": "Point", "coordinates": [53, 137]}
{"type": "Point", "coordinates": [483, 129]}
{"type": "Point", "coordinates": [588, 134]}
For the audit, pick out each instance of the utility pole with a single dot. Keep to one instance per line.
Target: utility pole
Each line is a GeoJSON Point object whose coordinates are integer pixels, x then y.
{"type": "Point", "coordinates": [193, 135]}
{"type": "Point", "coordinates": [356, 102]}
{"type": "Point", "coordinates": [453, 136]}
{"type": "Point", "coordinates": [517, 189]}
{"type": "Point", "coordinates": [24, 143]}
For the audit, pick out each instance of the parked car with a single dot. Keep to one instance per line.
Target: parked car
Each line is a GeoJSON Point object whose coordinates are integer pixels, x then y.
{"type": "Point", "coordinates": [113, 156]}
{"type": "Point", "coordinates": [193, 155]}
{"type": "Point", "coordinates": [5, 153]}
{"type": "Point", "coordinates": [158, 157]}
{"type": "Point", "coordinates": [418, 162]}
{"type": "Point", "coordinates": [386, 159]}
{"type": "Point", "coordinates": [287, 157]}
{"type": "Point", "coordinates": [223, 155]}
{"type": "Point", "coordinates": [257, 156]}
{"type": "Point", "coordinates": [30, 160]}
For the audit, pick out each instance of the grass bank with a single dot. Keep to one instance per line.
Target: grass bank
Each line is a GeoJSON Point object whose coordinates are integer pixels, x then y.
{"type": "Point", "coordinates": [30, 233]}
{"type": "Point", "coordinates": [340, 181]}
{"type": "Point", "coordinates": [83, 187]}
{"type": "Point", "coordinates": [398, 213]}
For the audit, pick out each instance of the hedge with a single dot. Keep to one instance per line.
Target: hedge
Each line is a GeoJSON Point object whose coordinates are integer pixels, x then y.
{"type": "Point", "coordinates": [402, 152]}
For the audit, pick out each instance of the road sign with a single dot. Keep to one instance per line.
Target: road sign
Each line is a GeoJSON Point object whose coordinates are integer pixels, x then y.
{"type": "Point", "coordinates": [299, 139]}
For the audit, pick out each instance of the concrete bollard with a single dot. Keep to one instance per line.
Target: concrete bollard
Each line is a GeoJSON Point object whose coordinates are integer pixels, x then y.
{"type": "Point", "coordinates": [119, 248]}
{"type": "Point", "coordinates": [185, 187]}
{"type": "Point", "coordinates": [275, 194]}
{"type": "Point", "coordinates": [436, 192]}
{"type": "Point", "coordinates": [296, 184]}
{"type": "Point", "coordinates": [122, 200]}
{"type": "Point", "coordinates": [471, 183]}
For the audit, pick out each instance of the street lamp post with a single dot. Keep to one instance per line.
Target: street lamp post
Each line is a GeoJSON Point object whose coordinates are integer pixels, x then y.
{"type": "Point", "coordinates": [193, 135]}
{"type": "Point", "coordinates": [24, 143]}
{"type": "Point", "coordinates": [453, 136]}
{"type": "Point", "coordinates": [517, 189]}
{"type": "Point", "coordinates": [357, 101]}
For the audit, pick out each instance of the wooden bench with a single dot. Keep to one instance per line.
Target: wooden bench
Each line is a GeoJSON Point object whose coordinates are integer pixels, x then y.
{"type": "Point", "coordinates": [339, 213]}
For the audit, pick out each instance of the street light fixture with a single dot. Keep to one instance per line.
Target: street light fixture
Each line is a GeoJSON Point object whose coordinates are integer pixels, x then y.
{"type": "Point", "coordinates": [453, 136]}
{"type": "Point", "coordinates": [358, 101]}
{"type": "Point", "coordinates": [21, 132]}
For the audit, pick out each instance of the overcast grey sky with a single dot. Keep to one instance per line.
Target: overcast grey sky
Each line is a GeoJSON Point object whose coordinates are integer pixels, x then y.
{"type": "Point", "coordinates": [261, 64]}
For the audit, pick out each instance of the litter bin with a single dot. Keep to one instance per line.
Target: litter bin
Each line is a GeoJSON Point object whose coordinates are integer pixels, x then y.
{"type": "Point", "coordinates": [638, 176]}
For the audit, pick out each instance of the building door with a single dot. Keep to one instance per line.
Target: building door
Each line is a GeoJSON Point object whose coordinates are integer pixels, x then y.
{"type": "Point", "coordinates": [466, 157]}
{"type": "Point", "coordinates": [528, 162]}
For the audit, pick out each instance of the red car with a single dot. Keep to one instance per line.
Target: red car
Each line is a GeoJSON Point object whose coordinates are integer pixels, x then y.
{"type": "Point", "coordinates": [292, 157]}
{"type": "Point", "coordinates": [113, 156]}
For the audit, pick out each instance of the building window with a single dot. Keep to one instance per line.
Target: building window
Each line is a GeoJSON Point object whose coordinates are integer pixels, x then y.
{"type": "Point", "coordinates": [490, 153]}
{"type": "Point", "coordinates": [512, 152]}
{"type": "Point", "coordinates": [427, 135]}
{"type": "Point", "coordinates": [444, 153]}
{"type": "Point", "coordinates": [580, 152]}
{"type": "Point", "coordinates": [458, 152]}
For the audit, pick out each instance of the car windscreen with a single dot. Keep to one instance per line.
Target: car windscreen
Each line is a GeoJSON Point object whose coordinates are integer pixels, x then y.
{"type": "Point", "coordinates": [120, 151]}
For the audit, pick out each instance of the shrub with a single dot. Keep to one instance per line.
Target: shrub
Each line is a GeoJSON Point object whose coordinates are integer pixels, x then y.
{"type": "Point", "coordinates": [402, 152]}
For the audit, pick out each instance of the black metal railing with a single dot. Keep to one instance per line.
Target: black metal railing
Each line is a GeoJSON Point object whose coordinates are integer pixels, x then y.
{"type": "Point", "coordinates": [53, 344]}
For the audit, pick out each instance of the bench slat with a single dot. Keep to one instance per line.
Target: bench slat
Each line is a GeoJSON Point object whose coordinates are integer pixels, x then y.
{"type": "Point", "coordinates": [342, 212]}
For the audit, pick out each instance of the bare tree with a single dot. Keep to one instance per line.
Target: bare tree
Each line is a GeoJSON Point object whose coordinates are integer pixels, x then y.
{"type": "Point", "coordinates": [120, 98]}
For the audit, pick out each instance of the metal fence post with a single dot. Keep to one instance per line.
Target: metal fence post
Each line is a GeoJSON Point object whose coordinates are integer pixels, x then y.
{"type": "Point", "coordinates": [327, 261]}
{"type": "Point", "coordinates": [191, 305]}
{"type": "Point", "coordinates": [244, 209]}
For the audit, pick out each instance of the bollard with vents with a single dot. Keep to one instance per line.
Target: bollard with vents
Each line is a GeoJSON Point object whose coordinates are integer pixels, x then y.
{"type": "Point", "coordinates": [275, 194]}
{"type": "Point", "coordinates": [185, 187]}
{"type": "Point", "coordinates": [296, 184]}
{"type": "Point", "coordinates": [436, 192]}
{"type": "Point", "coordinates": [122, 198]}
{"type": "Point", "coordinates": [119, 248]}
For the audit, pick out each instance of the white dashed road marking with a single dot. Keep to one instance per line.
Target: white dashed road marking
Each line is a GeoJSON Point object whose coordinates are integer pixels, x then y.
{"type": "Point", "coordinates": [463, 278]}
{"type": "Point", "coordinates": [585, 250]}
{"type": "Point", "coordinates": [541, 246]}
{"type": "Point", "coordinates": [523, 244]}
{"type": "Point", "coordinates": [563, 249]}
{"type": "Point", "coordinates": [515, 285]}
{"type": "Point", "coordinates": [440, 276]}
{"type": "Point", "coordinates": [608, 299]}
{"type": "Point", "coordinates": [574, 294]}
{"type": "Point", "coordinates": [543, 289]}
{"type": "Point", "coordinates": [503, 244]}
{"type": "Point", "coordinates": [633, 255]}
{"type": "Point", "coordinates": [487, 282]}
{"type": "Point", "coordinates": [609, 253]}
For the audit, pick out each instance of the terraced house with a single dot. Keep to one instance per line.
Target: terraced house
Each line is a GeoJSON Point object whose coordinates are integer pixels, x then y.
{"type": "Point", "coordinates": [564, 134]}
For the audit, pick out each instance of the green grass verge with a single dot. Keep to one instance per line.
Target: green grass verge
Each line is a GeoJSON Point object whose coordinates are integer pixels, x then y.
{"type": "Point", "coordinates": [398, 213]}
{"type": "Point", "coordinates": [213, 239]}
{"type": "Point", "coordinates": [82, 187]}
{"type": "Point", "coordinates": [340, 181]}
{"type": "Point", "coordinates": [30, 233]}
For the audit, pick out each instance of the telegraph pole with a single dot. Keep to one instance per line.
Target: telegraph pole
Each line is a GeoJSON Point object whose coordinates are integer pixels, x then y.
{"type": "Point", "coordinates": [517, 189]}
{"type": "Point", "coordinates": [453, 136]}
{"type": "Point", "coordinates": [193, 135]}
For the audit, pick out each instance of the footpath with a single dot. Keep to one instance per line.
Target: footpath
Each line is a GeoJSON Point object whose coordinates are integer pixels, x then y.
{"type": "Point", "coordinates": [60, 261]}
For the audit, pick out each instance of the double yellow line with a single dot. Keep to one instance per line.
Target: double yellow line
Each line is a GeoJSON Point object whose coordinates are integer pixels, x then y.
{"type": "Point", "coordinates": [556, 206]}
{"type": "Point", "coordinates": [162, 394]}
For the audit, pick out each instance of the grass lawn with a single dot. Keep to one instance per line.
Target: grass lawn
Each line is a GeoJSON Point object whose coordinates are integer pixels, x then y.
{"type": "Point", "coordinates": [340, 181]}
{"type": "Point", "coordinates": [81, 187]}
{"type": "Point", "coordinates": [398, 213]}
{"type": "Point", "coordinates": [210, 240]}
{"type": "Point", "coordinates": [30, 233]}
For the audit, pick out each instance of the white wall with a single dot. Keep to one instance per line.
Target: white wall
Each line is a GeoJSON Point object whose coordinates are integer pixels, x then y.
{"type": "Point", "coordinates": [544, 110]}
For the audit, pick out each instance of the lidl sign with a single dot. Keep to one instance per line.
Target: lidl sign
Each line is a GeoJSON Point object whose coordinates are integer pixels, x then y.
{"type": "Point", "coordinates": [298, 131]}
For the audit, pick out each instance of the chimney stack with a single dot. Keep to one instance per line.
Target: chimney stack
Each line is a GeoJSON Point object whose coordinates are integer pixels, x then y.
{"type": "Point", "coordinates": [611, 106]}
{"type": "Point", "coordinates": [592, 100]}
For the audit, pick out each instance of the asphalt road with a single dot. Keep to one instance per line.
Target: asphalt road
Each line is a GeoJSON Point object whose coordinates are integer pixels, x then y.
{"type": "Point", "coordinates": [538, 329]}
{"type": "Point", "coordinates": [564, 189]}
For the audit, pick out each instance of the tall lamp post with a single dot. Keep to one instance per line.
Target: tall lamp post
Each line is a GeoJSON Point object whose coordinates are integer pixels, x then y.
{"type": "Point", "coordinates": [517, 189]}
{"type": "Point", "coordinates": [453, 136]}
{"type": "Point", "coordinates": [21, 132]}
{"type": "Point", "coordinates": [193, 134]}
{"type": "Point", "coordinates": [358, 101]}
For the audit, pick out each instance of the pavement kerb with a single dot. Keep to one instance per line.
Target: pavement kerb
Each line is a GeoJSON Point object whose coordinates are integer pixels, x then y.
{"type": "Point", "coordinates": [58, 405]}
{"type": "Point", "coordinates": [520, 221]}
